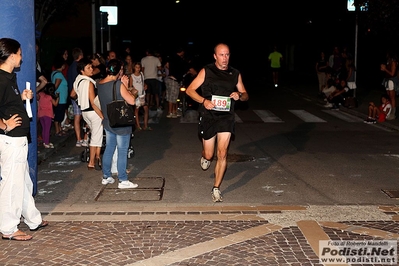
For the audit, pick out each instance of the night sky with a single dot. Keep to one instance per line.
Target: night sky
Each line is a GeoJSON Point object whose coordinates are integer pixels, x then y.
{"type": "Point", "coordinates": [300, 29]}
{"type": "Point", "coordinates": [251, 28]}
{"type": "Point", "coordinates": [224, 18]}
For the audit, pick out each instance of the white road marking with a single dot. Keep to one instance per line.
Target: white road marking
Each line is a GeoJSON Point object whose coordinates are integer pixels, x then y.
{"type": "Point", "coordinates": [307, 117]}
{"type": "Point", "coordinates": [238, 119]}
{"type": "Point", "coordinates": [344, 116]}
{"type": "Point", "coordinates": [268, 117]}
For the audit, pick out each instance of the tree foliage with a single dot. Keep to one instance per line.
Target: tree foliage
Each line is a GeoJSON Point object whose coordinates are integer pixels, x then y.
{"type": "Point", "coordinates": [49, 11]}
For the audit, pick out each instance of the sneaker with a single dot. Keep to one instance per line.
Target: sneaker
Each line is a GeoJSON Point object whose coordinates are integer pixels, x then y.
{"type": "Point", "coordinates": [370, 121]}
{"type": "Point", "coordinates": [367, 120]}
{"type": "Point", "coordinates": [169, 115]}
{"type": "Point", "coordinates": [205, 163]}
{"type": "Point", "coordinates": [216, 195]}
{"type": "Point", "coordinates": [79, 143]}
{"type": "Point", "coordinates": [127, 184]}
{"type": "Point", "coordinates": [108, 180]}
{"type": "Point", "coordinates": [328, 105]}
{"type": "Point", "coordinates": [174, 115]}
{"type": "Point", "coordinates": [85, 143]}
{"type": "Point", "coordinates": [48, 146]}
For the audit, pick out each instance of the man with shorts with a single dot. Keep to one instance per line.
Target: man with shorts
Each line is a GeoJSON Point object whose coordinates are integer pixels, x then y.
{"type": "Point", "coordinates": [275, 59]}
{"type": "Point", "coordinates": [151, 65]}
{"type": "Point", "coordinates": [221, 87]}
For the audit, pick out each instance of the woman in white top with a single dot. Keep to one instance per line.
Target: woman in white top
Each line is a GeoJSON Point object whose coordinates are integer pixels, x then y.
{"type": "Point", "coordinates": [85, 89]}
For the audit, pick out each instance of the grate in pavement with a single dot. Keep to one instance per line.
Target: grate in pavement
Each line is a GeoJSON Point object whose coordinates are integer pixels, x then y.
{"type": "Point", "coordinates": [391, 193]}
{"type": "Point", "coordinates": [149, 189]}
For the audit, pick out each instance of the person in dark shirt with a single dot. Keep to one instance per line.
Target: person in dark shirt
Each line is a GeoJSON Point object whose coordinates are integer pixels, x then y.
{"type": "Point", "coordinates": [16, 198]}
{"type": "Point", "coordinates": [221, 87]}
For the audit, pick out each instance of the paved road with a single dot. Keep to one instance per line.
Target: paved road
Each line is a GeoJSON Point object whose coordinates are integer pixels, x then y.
{"type": "Point", "coordinates": [175, 223]}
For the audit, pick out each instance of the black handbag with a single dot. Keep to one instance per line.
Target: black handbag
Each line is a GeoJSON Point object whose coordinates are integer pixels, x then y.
{"type": "Point", "coordinates": [120, 113]}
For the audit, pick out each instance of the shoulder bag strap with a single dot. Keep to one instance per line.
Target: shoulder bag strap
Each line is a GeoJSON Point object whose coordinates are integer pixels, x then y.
{"type": "Point", "coordinates": [55, 73]}
{"type": "Point", "coordinates": [114, 91]}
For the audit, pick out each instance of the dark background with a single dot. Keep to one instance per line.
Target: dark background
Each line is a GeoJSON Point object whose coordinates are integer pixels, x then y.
{"type": "Point", "coordinates": [300, 29]}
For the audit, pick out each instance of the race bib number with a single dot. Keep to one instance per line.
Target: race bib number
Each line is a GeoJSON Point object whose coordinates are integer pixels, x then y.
{"type": "Point", "coordinates": [222, 103]}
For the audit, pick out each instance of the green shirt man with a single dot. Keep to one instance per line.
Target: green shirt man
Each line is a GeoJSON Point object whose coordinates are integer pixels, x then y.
{"type": "Point", "coordinates": [275, 59]}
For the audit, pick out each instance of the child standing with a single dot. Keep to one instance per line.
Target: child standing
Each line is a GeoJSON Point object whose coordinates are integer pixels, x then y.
{"type": "Point", "coordinates": [379, 113]}
{"type": "Point", "coordinates": [47, 99]}
{"type": "Point", "coordinates": [137, 82]}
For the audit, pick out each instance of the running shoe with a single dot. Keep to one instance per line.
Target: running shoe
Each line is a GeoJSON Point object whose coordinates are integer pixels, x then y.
{"type": "Point", "coordinates": [216, 195]}
{"type": "Point", "coordinates": [205, 164]}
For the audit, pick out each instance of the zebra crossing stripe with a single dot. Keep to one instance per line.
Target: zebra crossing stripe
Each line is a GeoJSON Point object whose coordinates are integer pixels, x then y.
{"type": "Point", "coordinates": [343, 116]}
{"type": "Point", "coordinates": [268, 117]}
{"type": "Point", "coordinates": [307, 117]}
{"type": "Point", "coordinates": [237, 118]}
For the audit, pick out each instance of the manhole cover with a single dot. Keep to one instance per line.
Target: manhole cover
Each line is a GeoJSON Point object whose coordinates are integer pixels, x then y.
{"type": "Point", "coordinates": [391, 193]}
{"type": "Point", "coordinates": [149, 189]}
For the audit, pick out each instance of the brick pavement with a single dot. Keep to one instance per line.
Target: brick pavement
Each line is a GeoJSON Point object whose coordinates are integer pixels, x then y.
{"type": "Point", "coordinates": [188, 236]}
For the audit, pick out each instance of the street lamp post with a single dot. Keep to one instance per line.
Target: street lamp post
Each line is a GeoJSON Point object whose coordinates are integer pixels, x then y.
{"type": "Point", "coordinates": [355, 56]}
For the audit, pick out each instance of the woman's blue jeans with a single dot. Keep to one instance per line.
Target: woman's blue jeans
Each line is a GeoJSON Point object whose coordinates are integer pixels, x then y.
{"type": "Point", "coordinates": [112, 141]}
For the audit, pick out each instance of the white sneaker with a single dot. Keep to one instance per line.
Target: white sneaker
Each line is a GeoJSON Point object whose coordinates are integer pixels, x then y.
{"type": "Point", "coordinates": [169, 115]}
{"type": "Point", "coordinates": [85, 143]}
{"type": "Point", "coordinates": [205, 163]}
{"type": "Point", "coordinates": [79, 143]}
{"type": "Point", "coordinates": [108, 180]}
{"type": "Point", "coordinates": [127, 184]}
{"type": "Point", "coordinates": [216, 195]}
{"type": "Point", "coordinates": [328, 105]}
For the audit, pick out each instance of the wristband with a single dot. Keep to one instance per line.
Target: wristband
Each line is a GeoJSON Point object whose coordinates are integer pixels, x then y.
{"type": "Point", "coordinates": [203, 101]}
{"type": "Point", "coordinates": [5, 130]}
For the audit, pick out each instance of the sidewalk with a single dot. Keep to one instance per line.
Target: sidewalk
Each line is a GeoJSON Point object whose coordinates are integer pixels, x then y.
{"type": "Point", "coordinates": [122, 233]}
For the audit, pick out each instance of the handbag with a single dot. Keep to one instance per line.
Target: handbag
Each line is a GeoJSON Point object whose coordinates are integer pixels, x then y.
{"type": "Point", "coordinates": [120, 113]}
